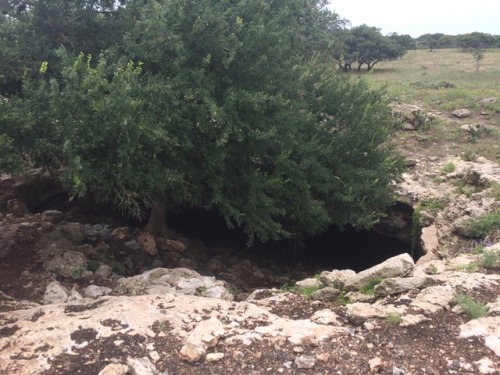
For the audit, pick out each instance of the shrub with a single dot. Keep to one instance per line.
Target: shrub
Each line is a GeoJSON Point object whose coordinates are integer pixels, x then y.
{"type": "Point", "coordinates": [491, 259]}
{"type": "Point", "coordinates": [394, 318]}
{"type": "Point", "coordinates": [469, 306]}
{"type": "Point", "coordinates": [482, 226]}
{"type": "Point", "coordinates": [449, 167]}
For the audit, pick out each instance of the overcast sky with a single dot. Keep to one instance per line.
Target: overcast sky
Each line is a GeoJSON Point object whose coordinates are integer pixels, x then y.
{"type": "Point", "coordinates": [418, 17]}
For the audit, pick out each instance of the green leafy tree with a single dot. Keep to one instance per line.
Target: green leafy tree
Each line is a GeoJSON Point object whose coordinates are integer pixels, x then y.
{"type": "Point", "coordinates": [213, 104]}
{"type": "Point", "coordinates": [365, 45]}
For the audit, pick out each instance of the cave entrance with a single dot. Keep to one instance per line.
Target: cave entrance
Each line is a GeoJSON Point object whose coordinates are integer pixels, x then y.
{"type": "Point", "coordinates": [334, 249]}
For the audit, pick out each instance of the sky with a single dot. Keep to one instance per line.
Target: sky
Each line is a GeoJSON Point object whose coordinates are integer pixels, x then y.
{"type": "Point", "coordinates": [418, 17]}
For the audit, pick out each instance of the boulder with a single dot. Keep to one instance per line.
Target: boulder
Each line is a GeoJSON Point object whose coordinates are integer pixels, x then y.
{"type": "Point", "coordinates": [68, 264]}
{"type": "Point", "coordinates": [309, 283]}
{"type": "Point", "coordinates": [17, 208]}
{"type": "Point", "coordinates": [115, 369]}
{"type": "Point", "coordinates": [336, 278]}
{"type": "Point", "coordinates": [204, 336]}
{"type": "Point", "coordinates": [177, 280]}
{"type": "Point", "coordinates": [75, 232]}
{"type": "Point", "coordinates": [395, 285]}
{"type": "Point", "coordinates": [461, 113]}
{"type": "Point", "coordinates": [398, 266]}
{"type": "Point", "coordinates": [94, 291]}
{"type": "Point", "coordinates": [359, 312]}
{"type": "Point", "coordinates": [328, 294]}
{"type": "Point", "coordinates": [147, 243]}
{"type": "Point", "coordinates": [434, 298]}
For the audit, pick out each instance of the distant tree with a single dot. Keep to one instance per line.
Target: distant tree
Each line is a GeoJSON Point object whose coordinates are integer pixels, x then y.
{"type": "Point", "coordinates": [405, 41]}
{"type": "Point", "coordinates": [476, 41]}
{"type": "Point", "coordinates": [478, 55]}
{"type": "Point", "coordinates": [365, 45]}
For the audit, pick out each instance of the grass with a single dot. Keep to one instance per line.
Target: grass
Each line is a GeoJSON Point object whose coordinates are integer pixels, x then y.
{"type": "Point", "coordinates": [491, 259]}
{"type": "Point", "coordinates": [469, 306]}
{"type": "Point", "coordinates": [483, 226]}
{"type": "Point", "coordinates": [369, 288]}
{"type": "Point", "coordinates": [449, 167]}
{"type": "Point", "coordinates": [445, 80]}
{"type": "Point", "coordinates": [393, 318]}
{"type": "Point", "coordinates": [495, 191]}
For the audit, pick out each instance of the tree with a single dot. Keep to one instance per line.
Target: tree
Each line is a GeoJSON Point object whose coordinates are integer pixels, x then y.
{"type": "Point", "coordinates": [32, 30]}
{"type": "Point", "coordinates": [367, 46]}
{"type": "Point", "coordinates": [476, 41]}
{"type": "Point", "coordinates": [214, 104]}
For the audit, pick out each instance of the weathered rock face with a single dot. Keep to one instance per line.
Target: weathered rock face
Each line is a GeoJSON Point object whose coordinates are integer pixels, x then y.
{"type": "Point", "coordinates": [178, 280]}
{"type": "Point", "coordinates": [399, 266]}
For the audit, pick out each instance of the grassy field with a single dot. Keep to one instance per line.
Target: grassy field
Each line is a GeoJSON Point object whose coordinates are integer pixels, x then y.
{"type": "Point", "coordinates": [419, 75]}
{"type": "Point", "coordinates": [440, 82]}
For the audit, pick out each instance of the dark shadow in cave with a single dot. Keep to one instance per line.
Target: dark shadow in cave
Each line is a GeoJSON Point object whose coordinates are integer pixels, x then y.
{"type": "Point", "coordinates": [334, 249]}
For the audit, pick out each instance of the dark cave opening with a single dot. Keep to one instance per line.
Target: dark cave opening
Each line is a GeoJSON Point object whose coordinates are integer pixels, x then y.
{"type": "Point", "coordinates": [334, 249]}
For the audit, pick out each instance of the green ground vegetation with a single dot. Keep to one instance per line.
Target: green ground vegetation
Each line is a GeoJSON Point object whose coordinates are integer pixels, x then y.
{"type": "Point", "coordinates": [439, 82]}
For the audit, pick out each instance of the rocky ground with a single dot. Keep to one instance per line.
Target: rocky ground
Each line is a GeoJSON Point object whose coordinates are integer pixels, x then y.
{"type": "Point", "coordinates": [80, 296]}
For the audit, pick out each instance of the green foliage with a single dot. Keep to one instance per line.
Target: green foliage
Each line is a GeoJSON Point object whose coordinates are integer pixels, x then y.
{"type": "Point", "coordinates": [305, 291]}
{"type": "Point", "coordinates": [93, 265]}
{"type": "Point", "coordinates": [10, 160]}
{"type": "Point", "coordinates": [491, 259]}
{"type": "Point", "coordinates": [368, 289]}
{"type": "Point", "coordinates": [431, 269]}
{"type": "Point", "coordinates": [482, 226]}
{"type": "Point", "coordinates": [217, 104]}
{"type": "Point", "coordinates": [365, 45]}
{"type": "Point", "coordinates": [394, 318]}
{"type": "Point", "coordinates": [494, 191]}
{"type": "Point", "coordinates": [469, 306]}
{"type": "Point", "coordinates": [449, 167]}
{"type": "Point", "coordinates": [471, 267]}
{"type": "Point", "coordinates": [478, 249]}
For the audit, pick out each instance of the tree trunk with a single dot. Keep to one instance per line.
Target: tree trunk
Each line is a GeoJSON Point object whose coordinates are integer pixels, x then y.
{"type": "Point", "coordinates": [157, 223]}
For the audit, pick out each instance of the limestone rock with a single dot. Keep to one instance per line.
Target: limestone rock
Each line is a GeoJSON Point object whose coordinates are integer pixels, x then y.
{"type": "Point", "coordinates": [488, 100]}
{"type": "Point", "coordinates": [147, 243]}
{"type": "Point", "coordinates": [103, 271]}
{"type": "Point", "coordinates": [115, 369]}
{"type": "Point", "coordinates": [74, 231]}
{"type": "Point", "coordinates": [434, 298]}
{"type": "Point", "coordinates": [142, 366]}
{"type": "Point", "coordinates": [214, 357]}
{"type": "Point", "coordinates": [429, 239]}
{"type": "Point", "coordinates": [52, 216]}
{"type": "Point", "coordinates": [328, 294]}
{"type": "Point", "coordinates": [305, 362]}
{"type": "Point", "coordinates": [68, 264]}
{"type": "Point", "coordinates": [462, 113]}
{"type": "Point", "coordinates": [326, 316]}
{"type": "Point", "coordinates": [55, 293]}
{"type": "Point", "coordinates": [336, 278]}
{"type": "Point", "coordinates": [359, 312]}
{"type": "Point", "coordinates": [177, 280]}
{"type": "Point", "coordinates": [412, 320]}
{"type": "Point", "coordinates": [401, 284]}
{"type": "Point", "coordinates": [94, 291]}
{"type": "Point", "coordinates": [204, 336]}
{"type": "Point", "coordinates": [17, 208]}
{"type": "Point", "coordinates": [309, 283]}
{"type": "Point", "coordinates": [487, 327]}
{"type": "Point", "coordinates": [398, 266]}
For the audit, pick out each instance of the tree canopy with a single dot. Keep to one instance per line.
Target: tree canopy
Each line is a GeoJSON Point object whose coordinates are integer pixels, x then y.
{"type": "Point", "coordinates": [365, 45]}
{"type": "Point", "coordinates": [226, 105]}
